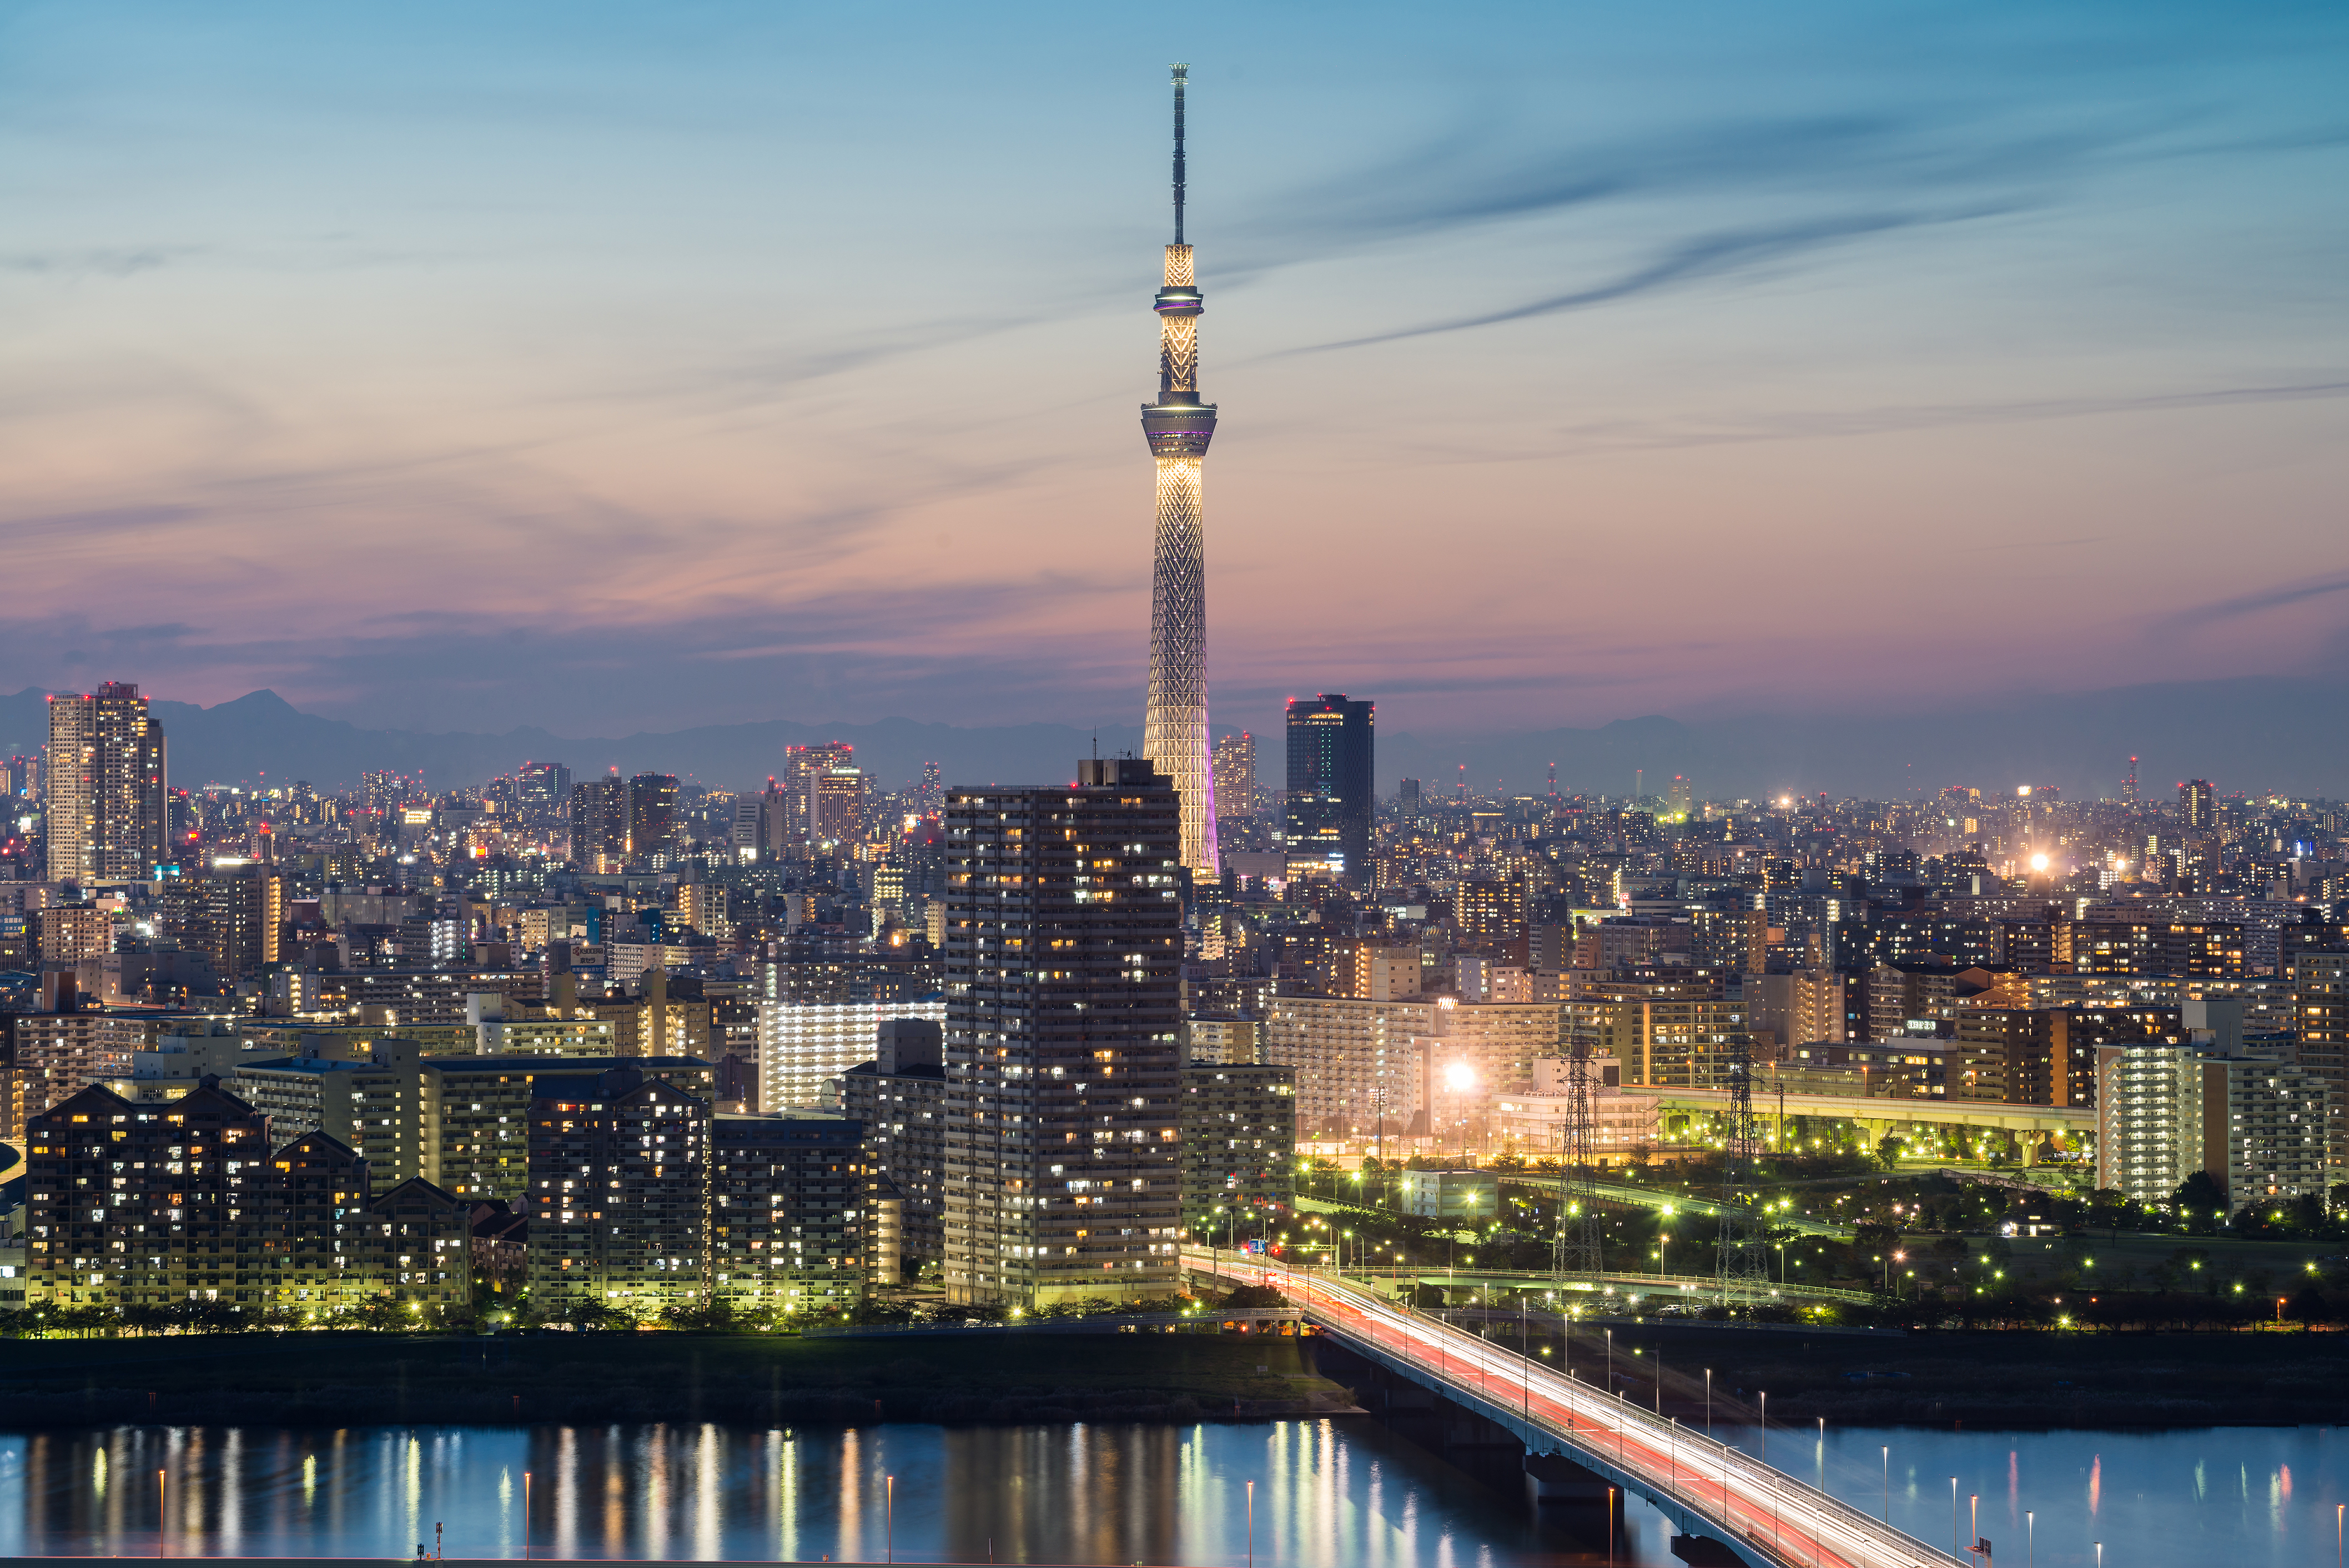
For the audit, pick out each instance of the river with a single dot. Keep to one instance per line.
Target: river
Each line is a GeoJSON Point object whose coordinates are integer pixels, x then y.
{"type": "Point", "coordinates": [1327, 1494]}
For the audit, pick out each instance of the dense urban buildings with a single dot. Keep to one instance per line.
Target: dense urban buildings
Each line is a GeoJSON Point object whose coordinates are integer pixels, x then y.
{"type": "Point", "coordinates": [129, 1205]}
{"type": "Point", "coordinates": [624, 1049]}
{"type": "Point", "coordinates": [1000, 1048]}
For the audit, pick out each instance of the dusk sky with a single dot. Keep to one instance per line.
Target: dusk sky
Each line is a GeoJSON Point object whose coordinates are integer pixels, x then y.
{"type": "Point", "coordinates": [610, 367]}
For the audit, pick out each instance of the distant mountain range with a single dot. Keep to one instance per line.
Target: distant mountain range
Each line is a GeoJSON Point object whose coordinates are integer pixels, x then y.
{"type": "Point", "coordinates": [2287, 735]}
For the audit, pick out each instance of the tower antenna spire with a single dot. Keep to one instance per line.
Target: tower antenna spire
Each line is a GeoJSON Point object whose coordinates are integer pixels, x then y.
{"type": "Point", "coordinates": [1178, 426]}
{"type": "Point", "coordinates": [1180, 72]}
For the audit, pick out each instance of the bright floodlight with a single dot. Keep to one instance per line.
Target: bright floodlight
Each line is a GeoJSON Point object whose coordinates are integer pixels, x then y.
{"type": "Point", "coordinates": [1460, 1077]}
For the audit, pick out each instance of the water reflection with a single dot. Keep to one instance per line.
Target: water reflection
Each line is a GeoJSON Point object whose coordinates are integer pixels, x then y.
{"type": "Point", "coordinates": [1327, 1494]}
{"type": "Point", "coordinates": [2246, 1495]}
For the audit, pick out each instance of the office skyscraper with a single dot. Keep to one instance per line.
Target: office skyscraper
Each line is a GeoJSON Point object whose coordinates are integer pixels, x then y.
{"type": "Point", "coordinates": [1063, 961]}
{"type": "Point", "coordinates": [802, 766]}
{"type": "Point", "coordinates": [540, 793]}
{"type": "Point", "coordinates": [836, 805]}
{"type": "Point", "coordinates": [1179, 427]}
{"type": "Point", "coordinates": [1327, 814]}
{"type": "Point", "coordinates": [652, 815]}
{"type": "Point", "coordinates": [107, 813]}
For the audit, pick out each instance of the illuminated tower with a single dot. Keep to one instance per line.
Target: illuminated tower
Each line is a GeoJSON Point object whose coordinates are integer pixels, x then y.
{"type": "Point", "coordinates": [1179, 426]}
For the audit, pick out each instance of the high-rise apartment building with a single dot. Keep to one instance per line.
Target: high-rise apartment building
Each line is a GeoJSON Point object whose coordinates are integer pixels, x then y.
{"type": "Point", "coordinates": [2043, 1055]}
{"type": "Point", "coordinates": [107, 814]}
{"type": "Point", "coordinates": [1492, 910]}
{"type": "Point", "coordinates": [2319, 1007]}
{"type": "Point", "coordinates": [763, 823]}
{"type": "Point", "coordinates": [237, 917]}
{"type": "Point", "coordinates": [790, 1212]}
{"type": "Point", "coordinates": [1239, 1142]}
{"type": "Point", "coordinates": [1668, 1030]}
{"type": "Point", "coordinates": [618, 1178]}
{"type": "Point", "coordinates": [1235, 775]}
{"type": "Point", "coordinates": [1808, 1007]}
{"type": "Point", "coordinates": [69, 933]}
{"type": "Point", "coordinates": [1327, 812]}
{"type": "Point", "coordinates": [804, 1045]}
{"type": "Point", "coordinates": [1360, 1062]}
{"type": "Point", "coordinates": [599, 825]}
{"type": "Point", "coordinates": [2198, 804]}
{"type": "Point", "coordinates": [1373, 1068]}
{"type": "Point", "coordinates": [2260, 1125]}
{"type": "Point", "coordinates": [1063, 956]}
{"type": "Point", "coordinates": [899, 1099]}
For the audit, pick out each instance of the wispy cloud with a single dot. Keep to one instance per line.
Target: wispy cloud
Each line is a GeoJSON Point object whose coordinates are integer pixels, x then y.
{"type": "Point", "coordinates": [2258, 603]}
{"type": "Point", "coordinates": [1705, 256]}
{"type": "Point", "coordinates": [102, 261]}
{"type": "Point", "coordinates": [1815, 423]}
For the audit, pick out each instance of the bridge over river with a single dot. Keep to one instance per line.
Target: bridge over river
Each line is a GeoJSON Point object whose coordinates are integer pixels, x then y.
{"type": "Point", "coordinates": [1726, 1504]}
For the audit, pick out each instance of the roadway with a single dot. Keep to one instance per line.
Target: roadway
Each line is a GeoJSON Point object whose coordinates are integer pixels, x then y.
{"type": "Point", "coordinates": [1669, 1203]}
{"type": "Point", "coordinates": [1618, 1192]}
{"type": "Point", "coordinates": [1769, 1518]}
{"type": "Point", "coordinates": [2072, 1121]}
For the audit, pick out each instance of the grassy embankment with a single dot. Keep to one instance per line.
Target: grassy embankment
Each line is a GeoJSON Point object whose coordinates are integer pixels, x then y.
{"type": "Point", "coordinates": [975, 1375]}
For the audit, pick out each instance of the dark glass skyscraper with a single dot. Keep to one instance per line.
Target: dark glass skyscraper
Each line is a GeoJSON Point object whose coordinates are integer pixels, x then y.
{"type": "Point", "coordinates": [1327, 813]}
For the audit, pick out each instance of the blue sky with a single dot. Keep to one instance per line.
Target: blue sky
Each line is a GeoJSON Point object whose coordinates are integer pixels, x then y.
{"type": "Point", "coordinates": [610, 367]}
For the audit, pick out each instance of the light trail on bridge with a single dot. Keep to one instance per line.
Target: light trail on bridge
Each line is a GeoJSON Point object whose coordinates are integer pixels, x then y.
{"type": "Point", "coordinates": [1769, 1515]}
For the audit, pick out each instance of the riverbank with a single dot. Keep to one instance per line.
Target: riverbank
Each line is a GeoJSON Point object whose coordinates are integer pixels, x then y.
{"type": "Point", "coordinates": [364, 1379]}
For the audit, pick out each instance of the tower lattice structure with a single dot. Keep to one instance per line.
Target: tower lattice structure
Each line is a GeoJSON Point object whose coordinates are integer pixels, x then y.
{"type": "Point", "coordinates": [1579, 1236]}
{"type": "Point", "coordinates": [1744, 1250]}
{"type": "Point", "coordinates": [1179, 427]}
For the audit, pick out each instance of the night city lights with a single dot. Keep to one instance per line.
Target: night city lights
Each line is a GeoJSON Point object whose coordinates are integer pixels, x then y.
{"type": "Point", "coordinates": [626, 934]}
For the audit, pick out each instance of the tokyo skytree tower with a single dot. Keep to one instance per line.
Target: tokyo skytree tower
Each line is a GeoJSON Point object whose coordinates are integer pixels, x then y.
{"type": "Point", "coordinates": [1179, 426]}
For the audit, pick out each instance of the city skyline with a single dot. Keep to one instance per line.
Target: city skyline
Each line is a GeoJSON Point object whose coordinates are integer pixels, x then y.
{"type": "Point", "coordinates": [1953, 343]}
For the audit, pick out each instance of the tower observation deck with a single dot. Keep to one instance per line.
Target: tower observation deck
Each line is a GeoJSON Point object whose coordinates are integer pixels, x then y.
{"type": "Point", "coordinates": [1179, 427]}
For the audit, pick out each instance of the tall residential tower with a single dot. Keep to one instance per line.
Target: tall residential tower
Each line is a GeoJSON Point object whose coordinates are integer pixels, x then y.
{"type": "Point", "coordinates": [108, 807]}
{"type": "Point", "coordinates": [1179, 427]}
{"type": "Point", "coordinates": [1063, 971]}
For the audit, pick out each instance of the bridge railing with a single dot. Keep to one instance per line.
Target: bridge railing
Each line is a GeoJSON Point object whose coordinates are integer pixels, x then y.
{"type": "Point", "coordinates": [1699, 1471]}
